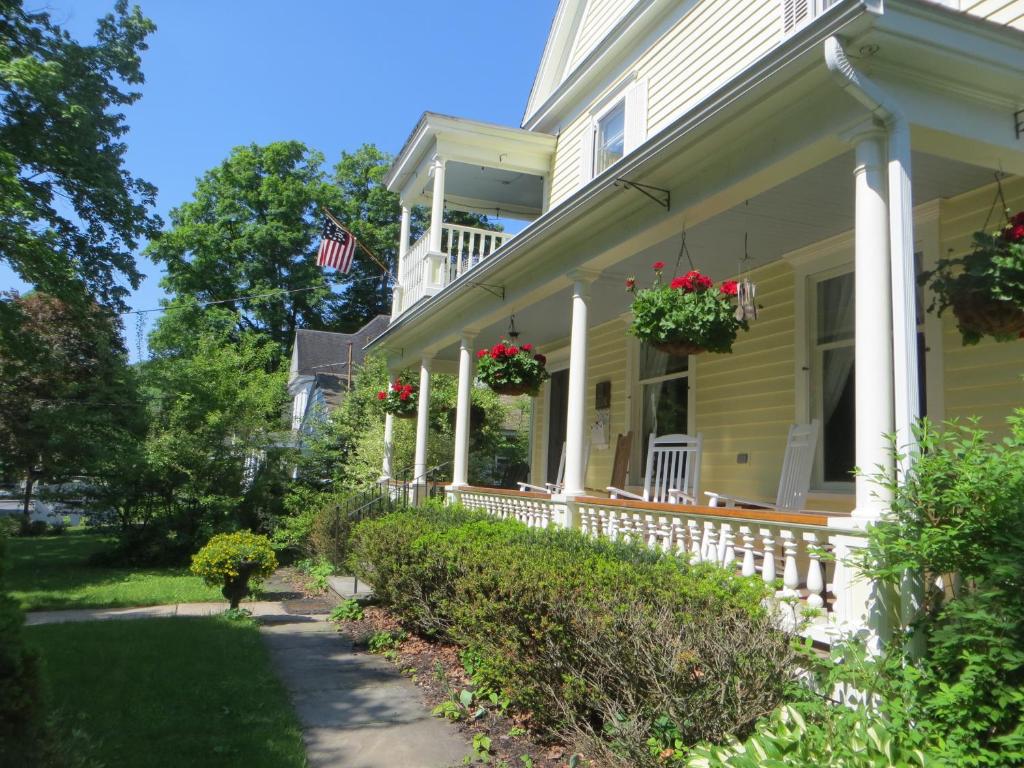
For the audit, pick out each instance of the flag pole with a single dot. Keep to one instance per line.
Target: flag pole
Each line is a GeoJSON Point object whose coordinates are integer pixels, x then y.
{"type": "Point", "coordinates": [360, 243]}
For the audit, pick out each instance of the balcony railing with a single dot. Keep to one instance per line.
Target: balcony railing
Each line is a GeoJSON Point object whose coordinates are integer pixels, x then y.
{"type": "Point", "coordinates": [801, 552]}
{"type": "Point", "coordinates": [424, 273]}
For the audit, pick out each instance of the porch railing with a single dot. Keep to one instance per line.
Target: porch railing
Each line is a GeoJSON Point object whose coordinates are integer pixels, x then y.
{"type": "Point", "coordinates": [799, 550]}
{"type": "Point", "coordinates": [462, 248]}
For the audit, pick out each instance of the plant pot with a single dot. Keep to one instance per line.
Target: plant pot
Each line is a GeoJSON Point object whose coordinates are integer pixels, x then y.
{"type": "Point", "coordinates": [979, 312]}
{"type": "Point", "coordinates": [236, 588]}
{"type": "Point", "coordinates": [513, 389]}
{"type": "Point", "coordinates": [677, 348]}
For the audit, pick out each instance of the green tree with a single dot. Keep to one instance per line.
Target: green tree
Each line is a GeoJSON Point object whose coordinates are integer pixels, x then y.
{"type": "Point", "coordinates": [251, 229]}
{"type": "Point", "coordinates": [67, 395]}
{"type": "Point", "coordinates": [70, 214]}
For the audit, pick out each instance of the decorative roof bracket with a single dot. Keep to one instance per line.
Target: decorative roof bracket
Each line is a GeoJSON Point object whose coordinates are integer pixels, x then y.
{"type": "Point", "coordinates": [662, 197]}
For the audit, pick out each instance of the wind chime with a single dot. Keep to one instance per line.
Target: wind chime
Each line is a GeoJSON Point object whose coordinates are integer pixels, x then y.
{"type": "Point", "coordinates": [746, 290]}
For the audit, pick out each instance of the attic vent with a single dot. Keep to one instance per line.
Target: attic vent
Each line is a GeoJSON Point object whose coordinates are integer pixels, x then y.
{"type": "Point", "coordinates": [796, 13]}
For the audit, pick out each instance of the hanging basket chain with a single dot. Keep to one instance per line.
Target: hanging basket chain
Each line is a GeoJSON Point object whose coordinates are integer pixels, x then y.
{"type": "Point", "coordinates": [683, 250]}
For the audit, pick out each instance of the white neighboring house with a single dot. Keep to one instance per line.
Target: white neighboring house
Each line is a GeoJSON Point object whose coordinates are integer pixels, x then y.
{"type": "Point", "coordinates": [841, 144]}
{"type": "Point", "coordinates": [322, 367]}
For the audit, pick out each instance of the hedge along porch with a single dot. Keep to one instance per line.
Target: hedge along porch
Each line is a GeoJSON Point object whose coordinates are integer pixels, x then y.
{"type": "Point", "coordinates": [837, 193]}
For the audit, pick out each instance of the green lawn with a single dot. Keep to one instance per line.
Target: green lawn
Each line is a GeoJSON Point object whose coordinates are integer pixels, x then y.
{"type": "Point", "coordinates": [164, 693]}
{"type": "Point", "coordinates": [47, 572]}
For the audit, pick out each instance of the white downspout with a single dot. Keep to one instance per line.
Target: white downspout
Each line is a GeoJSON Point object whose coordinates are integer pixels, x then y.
{"type": "Point", "coordinates": [906, 400]}
{"type": "Point", "coordinates": [901, 240]}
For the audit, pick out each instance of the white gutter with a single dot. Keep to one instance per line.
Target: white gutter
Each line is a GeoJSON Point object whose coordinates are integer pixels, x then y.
{"type": "Point", "coordinates": [901, 238]}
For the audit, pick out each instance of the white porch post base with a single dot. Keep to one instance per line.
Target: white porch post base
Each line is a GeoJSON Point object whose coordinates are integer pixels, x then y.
{"type": "Point", "coordinates": [422, 425]}
{"type": "Point", "coordinates": [575, 428]}
{"type": "Point", "coordinates": [463, 411]}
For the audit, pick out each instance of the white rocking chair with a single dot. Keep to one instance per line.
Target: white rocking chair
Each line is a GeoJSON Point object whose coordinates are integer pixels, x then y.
{"type": "Point", "coordinates": [673, 471]}
{"type": "Point", "coordinates": [559, 484]}
{"type": "Point", "coordinates": [796, 473]}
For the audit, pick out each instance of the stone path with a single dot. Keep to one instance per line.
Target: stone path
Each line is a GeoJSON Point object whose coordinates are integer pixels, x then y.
{"type": "Point", "coordinates": [356, 710]}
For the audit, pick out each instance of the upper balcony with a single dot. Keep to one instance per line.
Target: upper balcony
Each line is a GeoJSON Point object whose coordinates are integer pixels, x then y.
{"type": "Point", "coordinates": [455, 164]}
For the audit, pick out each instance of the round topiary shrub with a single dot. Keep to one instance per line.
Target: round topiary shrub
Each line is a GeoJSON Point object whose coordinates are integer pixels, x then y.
{"type": "Point", "coordinates": [234, 561]}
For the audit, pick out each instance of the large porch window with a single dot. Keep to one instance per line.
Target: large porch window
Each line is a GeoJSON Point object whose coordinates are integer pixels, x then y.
{"type": "Point", "coordinates": [833, 379]}
{"type": "Point", "coordinates": [664, 395]}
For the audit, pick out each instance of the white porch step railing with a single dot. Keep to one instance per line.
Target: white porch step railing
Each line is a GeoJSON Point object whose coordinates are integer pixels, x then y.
{"type": "Point", "coordinates": [424, 273]}
{"type": "Point", "coordinates": [797, 548]}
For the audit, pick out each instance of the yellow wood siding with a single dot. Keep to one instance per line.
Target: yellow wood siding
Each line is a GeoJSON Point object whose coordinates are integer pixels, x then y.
{"type": "Point", "coordinates": [607, 354]}
{"type": "Point", "coordinates": [982, 380]}
{"type": "Point", "coordinates": [709, 45]}
{"type": "Point", "coordinates": [999, 11]}
{"type": "Point", "coordinates": [745, 401]}
{"type": "Point", "coordinates": [598, 19]}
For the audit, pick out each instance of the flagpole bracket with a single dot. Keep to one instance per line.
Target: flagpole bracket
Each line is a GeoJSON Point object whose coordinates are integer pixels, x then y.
{"type": "Point", "coordinates": [662, 197]}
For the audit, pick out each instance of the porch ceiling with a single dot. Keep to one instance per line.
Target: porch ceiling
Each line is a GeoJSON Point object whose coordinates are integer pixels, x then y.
{"type": "Point", "coordinates": [481, 188]}
{"type": "Point", "coordinates": [808, 208]}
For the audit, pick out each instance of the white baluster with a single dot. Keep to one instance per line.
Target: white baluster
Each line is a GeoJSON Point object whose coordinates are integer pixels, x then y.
{"type": "Point", "coordinates": [790, 574]}
{"type": "Point", "coordinates": [815, 578]}
{"type": "Point", "coordinates": [727, 547]}
{"type": "Point", "coordinates": [709, 547]}
{"type": "Point", "coordinates": [748, 551]}
{"type": "Point", "coordinates": [768, 564]}
{"type": "Point", "coordinates": [694, 531]}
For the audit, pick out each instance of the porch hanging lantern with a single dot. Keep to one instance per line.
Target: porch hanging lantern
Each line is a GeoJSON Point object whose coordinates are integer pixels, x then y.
{"type": "Point", "coordinates": [512, 369]}
{"type": "Point", "coordinates": [400, 399]}
{"type": "Point", "coordinates": [985, 288]}
{"type": "Point", "coordinates": [690, 314]}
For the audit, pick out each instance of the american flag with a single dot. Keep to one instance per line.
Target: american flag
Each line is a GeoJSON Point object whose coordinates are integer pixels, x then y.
{"type": "Point", "coordinates": [337, 246]}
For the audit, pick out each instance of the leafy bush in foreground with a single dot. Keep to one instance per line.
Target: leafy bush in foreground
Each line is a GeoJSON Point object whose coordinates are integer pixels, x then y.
{"type": "Point", "coordinates": [608, 643]}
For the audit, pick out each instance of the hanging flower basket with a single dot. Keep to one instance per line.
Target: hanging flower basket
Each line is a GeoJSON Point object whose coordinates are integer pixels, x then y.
{"type": "Point", "coordinates": [688, 315]}
{"type": "Point", "coordinates": [985, 288]}
{"type": "Point", "coordinates": [509, 369]}
{"type": "Point", "coordinates": [401, 400]}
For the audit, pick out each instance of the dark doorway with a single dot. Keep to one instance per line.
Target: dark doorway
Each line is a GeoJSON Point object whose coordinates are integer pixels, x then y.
{"type": "Point", "coordinates": [558, 404]}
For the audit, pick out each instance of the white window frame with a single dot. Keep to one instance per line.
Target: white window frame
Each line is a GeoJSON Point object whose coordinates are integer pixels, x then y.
{"type": "Point", "coordinates": [632, 96]}
{"type": "Point", "coordinates": [636, 410]}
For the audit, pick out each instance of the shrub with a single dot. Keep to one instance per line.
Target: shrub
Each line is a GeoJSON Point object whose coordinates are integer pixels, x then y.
{"type": "Point", "coordinates": [232, 561]}
{"type": "Point", "coordinates": [599, 640]}
{"type": "Point", "coordinates": [347, 610]}
{"type": "Point", "coordinates": [22, 729]}
{"type": "Point", "coordinates": [316, 571]}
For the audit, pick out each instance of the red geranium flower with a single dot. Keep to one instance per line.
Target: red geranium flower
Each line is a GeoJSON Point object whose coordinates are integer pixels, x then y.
{"type": "Point", "coordinates": [512, 351]}
{"type": "Point", "coordinates": [658, 266]}
{"type": "Point", "coordinates": [382, 395]}
{"type": "Point", "coordinates": [1017, 232]}
{"type": "Point", "coordinates": [497, 350]}
{"type": "Point", "coordinates": [482, 353]}
{"type": "Point", "coordinates": [630, 283]}
{"type": "Point", "coordinates": [397, 386]}
{"type": "Point", "coordinates": [681, 283]}
{"type": "Point", "coordinates": [540, 358]}
{"type": "Point", "coordinates": [527, 347]}
{"type": "Point", "coordinates": [730, 287]}
{"type": "Point", "coordinates": [407, 388]}
{"type": "Point", "coordinates": [1019, 218]}
{"type": "Point", "coordinates": [404, 395]}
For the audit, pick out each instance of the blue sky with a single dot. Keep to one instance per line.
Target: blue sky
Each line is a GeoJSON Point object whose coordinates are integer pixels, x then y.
{"type": "Point", "coordinates": [331, 73]}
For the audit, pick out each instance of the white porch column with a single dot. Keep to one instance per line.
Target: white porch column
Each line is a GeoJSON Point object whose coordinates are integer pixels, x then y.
{"type": "Point", "coordinates": [576, 418]}
{"type": "Point", "coordinates": [437, 204]}
{"type": "Point", "coordinates": [873, 324]}
{"type": "Point", "coordinates": [463, 410]}
{"type": "Point", "coordinates": [422, 424]}
{"type": "Point", "coordinates": [403, 249]}
{"type": "Point", "coordinates": [387, 469]}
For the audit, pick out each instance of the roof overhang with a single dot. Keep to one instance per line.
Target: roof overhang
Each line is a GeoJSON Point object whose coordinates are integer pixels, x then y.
{"type": "Point", "coordinates": [955, 51]}
{"type": "Point", "coordinates": [502, 149]}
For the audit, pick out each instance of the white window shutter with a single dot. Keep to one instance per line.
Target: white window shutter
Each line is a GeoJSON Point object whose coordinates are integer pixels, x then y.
{"type": "Point", "coordinates": [636, 116]}
{"type": "Point", "coordinates": [795, 13]}
{"type": "Point", "coordinates": [587, 153]}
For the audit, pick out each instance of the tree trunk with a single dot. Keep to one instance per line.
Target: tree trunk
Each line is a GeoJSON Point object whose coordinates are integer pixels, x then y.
{"type": "Point", "coordinates": [26, 511]}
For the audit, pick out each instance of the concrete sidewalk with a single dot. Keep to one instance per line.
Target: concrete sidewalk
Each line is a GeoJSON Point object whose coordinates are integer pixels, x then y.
{"type": "Point", "coordinates": [268, 611]}
{"type": "Point", "coordinates": [356, 710]}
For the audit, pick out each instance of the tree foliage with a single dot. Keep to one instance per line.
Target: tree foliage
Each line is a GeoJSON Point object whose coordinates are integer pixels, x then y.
{"type": "Point", "coordinates": [70, 213]}
{"type": "Point", "coordinates": [67, 394]}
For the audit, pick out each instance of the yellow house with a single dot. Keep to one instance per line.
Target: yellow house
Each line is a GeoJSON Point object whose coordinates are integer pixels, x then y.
{"type": "Point", "coordinates": [826, 151]}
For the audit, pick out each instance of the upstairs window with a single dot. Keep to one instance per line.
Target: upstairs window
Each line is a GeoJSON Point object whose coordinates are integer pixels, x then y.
{"type": "Point", "coordinates": [610, 137]}
{"type": "Point", "coordinates": [617, 127]}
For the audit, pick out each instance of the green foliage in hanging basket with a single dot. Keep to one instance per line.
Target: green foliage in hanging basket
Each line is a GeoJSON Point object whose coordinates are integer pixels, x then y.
{"type": "Point", "coordinates": [689, 313]}
{"type": "Point", "coordinates": [985, 288]}
{"type": "Point", "coordinates": [512, 370]}
{"type": "Point", "coordinates": [401, 399]}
